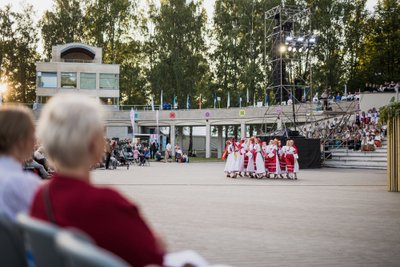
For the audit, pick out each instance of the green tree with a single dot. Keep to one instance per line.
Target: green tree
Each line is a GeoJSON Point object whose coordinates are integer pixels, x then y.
{"type": "Point", "coordinates": [381, 60]}
{"type": "Point", "coordinates": [178, 64]}
{"type": "Point", "coordinates": [64, 24]}
{"type": "Point", "coordinates": [19, 53]}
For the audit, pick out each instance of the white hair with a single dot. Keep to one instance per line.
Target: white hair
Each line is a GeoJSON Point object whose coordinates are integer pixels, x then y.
{"type": "Point", "coordinates": [67, 124]}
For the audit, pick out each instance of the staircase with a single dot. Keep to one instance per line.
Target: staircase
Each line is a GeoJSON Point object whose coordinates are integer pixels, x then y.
{"type": "Point", "coordinates": [344, 158]}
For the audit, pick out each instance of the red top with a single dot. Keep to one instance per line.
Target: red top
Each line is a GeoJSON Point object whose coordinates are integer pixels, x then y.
{"type": "Point", "coordinates": [112, 221]}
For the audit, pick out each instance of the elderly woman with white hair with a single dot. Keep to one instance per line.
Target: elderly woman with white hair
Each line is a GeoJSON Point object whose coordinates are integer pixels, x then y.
{"type": "Point", "coordinates": [71, 130]}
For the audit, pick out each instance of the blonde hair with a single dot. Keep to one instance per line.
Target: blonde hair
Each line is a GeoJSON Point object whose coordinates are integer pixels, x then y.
{"type": "Point", "coordinates": [66, 126]}
{"type": "Point", "coordinates": [16, 123]}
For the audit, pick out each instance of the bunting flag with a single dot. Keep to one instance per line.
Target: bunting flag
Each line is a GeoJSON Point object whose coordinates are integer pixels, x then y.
{"type": "Point", "coordinates": [132, 117]}
{"type": "Point", "coordinates": [200, 100]}
{"type": "Point", "coordinates": [187, 102]}
{"type": "Point", "coordinates": [228, 102]}
{"type": "Point", "coordinates": [215, 100]}
{"type": "Point", "coordinates": [161, 100]}
{"type": "Point", "coordinates": [175, 102]}
{"type": "Point", "coordinates": [152, 102]}
{"type": "Point", "coordinates": [247, 96]}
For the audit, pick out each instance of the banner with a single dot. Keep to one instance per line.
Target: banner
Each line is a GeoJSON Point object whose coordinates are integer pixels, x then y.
{"type": "Point", "coordinates": [132, 116]}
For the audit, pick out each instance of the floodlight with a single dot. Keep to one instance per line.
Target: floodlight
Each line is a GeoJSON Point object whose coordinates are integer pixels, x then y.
{"type": "Point", "coordinates": [290, 48]}
{"type": "Point", "coordinates": [282, 48]}
{"type": "Point", "coordinates": [289, 38]}
{"type": "Point", "coordinates": [312, 40]}
{"type": "Point", "coordinates": [300, 39]}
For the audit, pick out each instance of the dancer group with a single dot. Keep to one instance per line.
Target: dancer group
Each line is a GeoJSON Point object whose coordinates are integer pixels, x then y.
{"type": "Point", "coordinates": [254, 158]}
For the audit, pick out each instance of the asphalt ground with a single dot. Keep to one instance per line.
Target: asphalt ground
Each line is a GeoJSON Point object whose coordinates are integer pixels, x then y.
{"type": "Point", "coordinates": [329, 217]}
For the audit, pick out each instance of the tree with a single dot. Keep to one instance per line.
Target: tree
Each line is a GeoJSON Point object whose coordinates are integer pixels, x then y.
{"type": "Point", "coordinates": [65, 24]}
{"type": "Point", "coordinates": [239, 49]}
{"type": "Point", "coordinates": [381, 60]}
{"type": "Point", "coordinates": [19, 53]}
{"type": "Point", "coordinates": [178, 66]}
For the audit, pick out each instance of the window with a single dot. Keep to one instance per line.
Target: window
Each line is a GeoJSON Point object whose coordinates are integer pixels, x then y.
{"type": "Point", "coordinates": [88, 80]}
{"type": "Point", "coordinates": [68, 79]}
{"type": "Point", "coordinates": [108, 81]}
{"type": "Point", "coordinates": [47, 79]}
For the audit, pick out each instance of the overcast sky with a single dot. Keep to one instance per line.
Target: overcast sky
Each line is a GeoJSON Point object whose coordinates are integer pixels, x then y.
{"type": "Point", "coordinates": [41, 5]}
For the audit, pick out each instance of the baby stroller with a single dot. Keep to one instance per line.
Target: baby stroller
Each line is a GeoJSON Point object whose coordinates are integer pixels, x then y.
{"type": "Point", "coordinates": [119, 156]}
{"type": "Point", "coordinates": [128, 156]}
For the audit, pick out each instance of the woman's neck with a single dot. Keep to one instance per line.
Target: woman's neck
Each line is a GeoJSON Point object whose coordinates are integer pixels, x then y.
{"type": "Point", "coordinates": [81, 173]}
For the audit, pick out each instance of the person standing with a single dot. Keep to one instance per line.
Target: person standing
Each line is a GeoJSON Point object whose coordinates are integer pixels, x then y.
{"type": "Point", "coordinates": [291, 157]}
{"type": "Point", "coordinates": [229, 151]}
{"type": "Point", "coordinates": [108, 149]}
{"type": "Point", "coordinates": [17, 141]}
{"type": "Point", "coordinates": [168, 153]}
{"type": "Point", "coordinates": [260, 165]}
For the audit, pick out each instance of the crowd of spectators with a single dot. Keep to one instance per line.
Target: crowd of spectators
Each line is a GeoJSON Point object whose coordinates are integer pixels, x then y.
{"type": "Point", "coordinates": [362, 132]}
{"type": "Point", "coordinates": [385, 87]}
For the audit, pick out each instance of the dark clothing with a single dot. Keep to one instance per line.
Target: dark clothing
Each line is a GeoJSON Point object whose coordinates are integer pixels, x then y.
{"type": "Point", "coordinates": [112, 221]}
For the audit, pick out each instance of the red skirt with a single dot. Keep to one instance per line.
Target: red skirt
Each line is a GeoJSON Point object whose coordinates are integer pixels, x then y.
{"type": "Point", "coordinates": [246, 161]}
{"type": "Point", "coordinates": [289, 158]}
{"type": "Point", "coordinates": [282, 163]}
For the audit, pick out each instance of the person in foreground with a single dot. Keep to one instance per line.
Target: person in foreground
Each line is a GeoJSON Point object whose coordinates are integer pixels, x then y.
{"type": "Point", "coordinates": [17, 141]}
{"type": "Point", "coordinates": [71, 130]}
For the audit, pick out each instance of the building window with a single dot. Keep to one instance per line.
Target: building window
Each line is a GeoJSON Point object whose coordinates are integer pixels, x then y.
{"type": "Point", "coordinates": [47, 79]}
{"type": "Point", "coordinates": [88, 80]}
{"type": "Point", "coordinates": [108, 81]}
{"type": "Point", "coordinates": [68, 79]}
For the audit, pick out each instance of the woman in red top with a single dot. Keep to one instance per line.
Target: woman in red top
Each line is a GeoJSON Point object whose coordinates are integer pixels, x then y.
{"type": "Point", "coordinates": [71, 130]}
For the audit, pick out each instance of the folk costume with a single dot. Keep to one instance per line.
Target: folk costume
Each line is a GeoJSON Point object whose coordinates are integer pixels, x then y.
{"type": "Point", "coordinates": [291, 157]}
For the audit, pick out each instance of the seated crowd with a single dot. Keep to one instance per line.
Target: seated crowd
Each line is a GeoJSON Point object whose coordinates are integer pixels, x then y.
{"type": "Point", "coordinates": [73, 142]}
{"type": "Point", "coordinates": [363, 132]}
{"type": "Point", "coordinates": [385, 87]}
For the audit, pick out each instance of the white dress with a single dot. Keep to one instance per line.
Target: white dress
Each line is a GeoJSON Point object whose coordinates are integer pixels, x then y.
{"type": "Point", "coordinates": [242, 151]}
{"type": "Point", "coordinates": [292, 150]}
{"type": "Point", "coordinates": [250, 163]}
{"type": "Point", "coordinates": [236, 160]}
{"type": "Point", "coordinates": [230, 160]}
{"type": "Point", "coordinates": [260, 165]}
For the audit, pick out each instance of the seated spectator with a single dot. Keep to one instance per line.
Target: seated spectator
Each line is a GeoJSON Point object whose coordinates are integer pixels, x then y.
{"type": "Point", "coordinates": [377, 139]}
{"type": "Point", "coordinates": [31, 163]}
{"type": "Point", "coordinates": [40, 157]}
{"type": "Point", "coordinates": [371, 144]}
{"type": "Point", "coordinates": [159, 156]}
{"type": "Point", "coordinates": [185, 158]}
{"type": "Point", "coordinates": [17, 140]}
{"type": "Point", "coordinates": [114, 222]}
{"type": "Point", "coordinates": [338, 98]}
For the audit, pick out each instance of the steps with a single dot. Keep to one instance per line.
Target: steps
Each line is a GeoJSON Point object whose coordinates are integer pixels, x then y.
{"type": "Point", "coordinates": [344, 158]}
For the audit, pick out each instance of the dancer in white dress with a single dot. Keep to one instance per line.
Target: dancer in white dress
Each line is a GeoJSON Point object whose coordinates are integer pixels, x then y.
{"type": "Point", "coordinates": [260, 165]}
{"type": "Point", "coordinates": [230, 159]}
{"type": "Point", "coordinates": [250, 158]}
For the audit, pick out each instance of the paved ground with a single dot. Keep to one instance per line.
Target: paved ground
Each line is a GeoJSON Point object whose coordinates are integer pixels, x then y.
{"type": "Point", "coordinates": [330, 217]}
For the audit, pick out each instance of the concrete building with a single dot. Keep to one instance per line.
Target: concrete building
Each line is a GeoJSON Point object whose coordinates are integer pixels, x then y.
{"type": "Point", "coordinates": [78, 68]}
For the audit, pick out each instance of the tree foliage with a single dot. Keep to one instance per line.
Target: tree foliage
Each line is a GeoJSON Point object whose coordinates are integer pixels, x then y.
{"type": "Point", "coordinates": [171, 46]}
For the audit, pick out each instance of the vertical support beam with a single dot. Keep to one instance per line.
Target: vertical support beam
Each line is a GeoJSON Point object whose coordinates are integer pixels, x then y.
{"type": "Point", "coordinates": [180, 143]}
{"type": "Point", "coordinates": [220, 143]}
{"type": "Point", "coordinates": [242, 129]}
{"type": "Point", "coordinates": [208, 140]}
{"type": "Point", "coordinates": [172, 137]}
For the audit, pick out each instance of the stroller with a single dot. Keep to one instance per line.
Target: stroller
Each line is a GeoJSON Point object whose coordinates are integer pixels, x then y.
{"type": "Point", "coordinates": [128, 156]}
